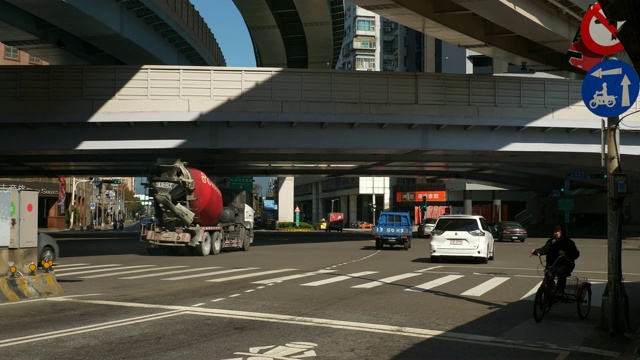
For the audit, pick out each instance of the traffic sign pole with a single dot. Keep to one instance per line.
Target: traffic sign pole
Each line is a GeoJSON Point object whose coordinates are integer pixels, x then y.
{"type": "Point", "coordinates": [615, 303]}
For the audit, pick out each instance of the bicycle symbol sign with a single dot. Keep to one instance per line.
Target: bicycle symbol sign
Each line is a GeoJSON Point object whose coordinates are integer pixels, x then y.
{"type": "Point", "coordinates": [610, 88]}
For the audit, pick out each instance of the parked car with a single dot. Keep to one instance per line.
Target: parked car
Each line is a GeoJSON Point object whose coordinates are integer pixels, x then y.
{"type": "Point", "coordinates": [510, 230]}
{"type": "Point", "coordinates": [462, 236]}
{"type": "Point", "coordinates": [425, 227]}
{"type": "Point", "coordinates": [365, 225]}
{"type": "Point", "coordinates": [47, 248]}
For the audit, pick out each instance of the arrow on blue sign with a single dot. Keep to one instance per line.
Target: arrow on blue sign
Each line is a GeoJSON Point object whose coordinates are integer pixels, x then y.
{"type": "Point", "coordinates": [610, 88]}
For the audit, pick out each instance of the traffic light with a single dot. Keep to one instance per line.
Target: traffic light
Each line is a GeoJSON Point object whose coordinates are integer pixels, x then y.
{"type": "Point", "coordinates": [599, 176]}
{"type": "Point", "coordinates": [424, 204]}
{"type": "Point", "coordinates": [117, 181]}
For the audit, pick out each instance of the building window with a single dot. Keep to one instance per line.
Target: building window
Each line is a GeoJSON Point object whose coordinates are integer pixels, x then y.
{"type": "Point", "coordinates": [366, 25]}
{"type": "Point", "coordinates": [364, 43]}
{"type": "Point", "coordinates": [11, 53]}
{"type": "Point", "coordinates": [364, 63]}
{"type": "Point", "coordinates": [34, 60]}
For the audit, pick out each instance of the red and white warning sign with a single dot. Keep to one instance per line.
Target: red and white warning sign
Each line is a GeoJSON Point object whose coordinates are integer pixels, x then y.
{"type": "Point", "coordinates": [598, 33]}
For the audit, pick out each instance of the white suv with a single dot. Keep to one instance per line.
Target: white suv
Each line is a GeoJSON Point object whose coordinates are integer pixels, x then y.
{"type": "Point", "coordinates": [462, 236]}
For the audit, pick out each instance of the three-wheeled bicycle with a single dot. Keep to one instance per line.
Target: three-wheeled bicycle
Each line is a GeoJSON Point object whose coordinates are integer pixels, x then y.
{"type": "Point", "coordinates": [577, 290]}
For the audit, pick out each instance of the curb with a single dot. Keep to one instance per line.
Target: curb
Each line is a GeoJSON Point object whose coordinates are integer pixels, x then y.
{"type": "Point", "coordinates": [29, 287]}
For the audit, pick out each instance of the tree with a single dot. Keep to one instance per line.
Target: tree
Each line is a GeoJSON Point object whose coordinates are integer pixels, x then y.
{"type": "Point", "coordinates": [131, 202]}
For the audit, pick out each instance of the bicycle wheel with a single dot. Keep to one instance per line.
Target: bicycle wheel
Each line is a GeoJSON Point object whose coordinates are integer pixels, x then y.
{"type": "Point", "coordinates": [540, 304]}
{"type": "Point", "coordinates": [584, 302]}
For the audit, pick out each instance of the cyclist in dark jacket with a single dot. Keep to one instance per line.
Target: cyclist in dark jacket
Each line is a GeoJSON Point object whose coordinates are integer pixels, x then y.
{"type": "Point", "coordinates": [561, 254]}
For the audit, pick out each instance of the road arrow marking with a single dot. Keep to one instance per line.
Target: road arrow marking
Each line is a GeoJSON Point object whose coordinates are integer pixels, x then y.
{"type": "Point", "coordinates": [600, 73]}
{"type": "Point", "coordinates": [626, 102]}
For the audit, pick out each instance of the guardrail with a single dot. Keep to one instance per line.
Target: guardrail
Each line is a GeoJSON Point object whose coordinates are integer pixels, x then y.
{"type": "Point", "coordinates": [174, 82]}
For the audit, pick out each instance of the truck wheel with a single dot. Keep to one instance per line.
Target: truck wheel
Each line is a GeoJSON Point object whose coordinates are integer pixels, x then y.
{"type": "Point", "coordinates": [378, 245]}
{"type": "Point", "coordinates": [216, 243]}
{"type": "Point", "coordinates": [245, 239]}
{"type": "Point", "coordinates": [406, 245]}
{"type": "Point", "coordinates": [204, 248]}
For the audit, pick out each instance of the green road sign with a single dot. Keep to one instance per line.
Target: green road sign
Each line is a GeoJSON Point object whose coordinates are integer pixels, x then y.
{"type": "Point", "coordinates": [241, 182]}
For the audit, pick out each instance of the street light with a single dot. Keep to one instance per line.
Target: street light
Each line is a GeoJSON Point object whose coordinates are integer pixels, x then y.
{"type": "Point", "coordinates": [73, 199]}
{"type": "Point", "coordinates": [332, 201]}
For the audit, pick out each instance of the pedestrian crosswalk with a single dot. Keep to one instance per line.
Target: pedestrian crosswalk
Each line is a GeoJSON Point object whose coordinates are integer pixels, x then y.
{"type": "Point", "coordinates": [415, 281]}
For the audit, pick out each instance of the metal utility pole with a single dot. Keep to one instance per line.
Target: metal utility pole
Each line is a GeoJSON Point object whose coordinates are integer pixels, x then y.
{"type": "Point", "coordinates": [615, 303]}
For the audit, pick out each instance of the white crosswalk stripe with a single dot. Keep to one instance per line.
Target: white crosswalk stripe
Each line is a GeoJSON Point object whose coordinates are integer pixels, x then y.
{"type": "Point", "coordinates": [531, 293]}
{"type": "Point", "coordinates": [210, 273]}
{"type": "Point", "coordinates": [63, 270]}
{"type": "Point", "coordinates": [485, 286]}
{"type": "Point", "coordinates": [339, 278]}
{"type": "Point", "coordinates": [169, 273]}
{"type": "Point", "coordinates": [131, 272]}
{"type": "Point", "coordinates": [244, 276]}
{"type": "Point", "coordinates": [387, 280]}
{"type": "Point", "coordinates": [292, 277]}
{"type": "Point", "coordinates": [101, 270]}
{"type": "Point", "coordinates": [433, 283]}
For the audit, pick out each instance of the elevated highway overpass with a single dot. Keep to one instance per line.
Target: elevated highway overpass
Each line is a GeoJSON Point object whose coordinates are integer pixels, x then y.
{"type": "Point", "coordinates": [109, 32]}
{"type": "Point", "coordinates": [527, 132]}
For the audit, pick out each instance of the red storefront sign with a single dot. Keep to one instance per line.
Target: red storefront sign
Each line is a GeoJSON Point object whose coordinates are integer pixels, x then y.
{"type": "Point", "coordinates": [413, 196]}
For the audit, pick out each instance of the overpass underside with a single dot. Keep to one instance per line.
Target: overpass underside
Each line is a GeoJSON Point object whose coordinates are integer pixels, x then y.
{"type": "Point", "coordinates": [117, 120]}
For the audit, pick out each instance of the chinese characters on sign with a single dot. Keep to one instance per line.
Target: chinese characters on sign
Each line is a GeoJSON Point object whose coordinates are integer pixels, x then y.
{"type": "Point", "coordinates": [432, 196]}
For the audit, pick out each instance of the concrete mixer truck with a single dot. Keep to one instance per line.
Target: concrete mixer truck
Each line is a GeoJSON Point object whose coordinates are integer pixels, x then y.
{"type": "Point", "coordinates": [191, 211]}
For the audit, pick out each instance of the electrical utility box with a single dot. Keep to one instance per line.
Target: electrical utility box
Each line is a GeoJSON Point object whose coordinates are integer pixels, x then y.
{"type": "Point", "coordinates": [23, 213]}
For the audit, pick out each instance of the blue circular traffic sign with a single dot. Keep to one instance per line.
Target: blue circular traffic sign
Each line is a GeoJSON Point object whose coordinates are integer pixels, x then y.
{"type": "Point", "coordinates": [610, 88]}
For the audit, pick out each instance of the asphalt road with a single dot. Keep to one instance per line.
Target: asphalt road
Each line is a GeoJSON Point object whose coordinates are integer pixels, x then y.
{"type": "Point", "coordinates": [306, 295]}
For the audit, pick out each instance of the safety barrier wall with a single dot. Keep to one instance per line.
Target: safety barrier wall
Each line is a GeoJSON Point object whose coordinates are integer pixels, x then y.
{"type": "Point", "coordinates": [222, 84]}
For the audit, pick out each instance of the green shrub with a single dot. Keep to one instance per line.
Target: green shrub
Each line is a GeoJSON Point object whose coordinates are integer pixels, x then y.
{"type": "Point", "coordinates": [289, 225]}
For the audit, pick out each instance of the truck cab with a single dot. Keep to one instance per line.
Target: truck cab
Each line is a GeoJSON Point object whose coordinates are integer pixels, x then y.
{"type": "Point", "coordinates": [393, 228]}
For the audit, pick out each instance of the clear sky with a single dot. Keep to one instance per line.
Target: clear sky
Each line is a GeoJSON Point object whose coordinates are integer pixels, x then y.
{"type": "Point", "coordinates": [227, 25]}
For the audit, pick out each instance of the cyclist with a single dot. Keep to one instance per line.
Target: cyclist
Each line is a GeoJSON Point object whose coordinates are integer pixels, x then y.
{"type": "Point", "coordinates": [561, 254]}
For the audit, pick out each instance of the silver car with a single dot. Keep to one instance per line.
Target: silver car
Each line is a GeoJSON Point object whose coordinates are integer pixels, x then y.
{"type": "Point", "coordinates": [424, 230]}
{"type": "Point", "coordinates": [47, 248]}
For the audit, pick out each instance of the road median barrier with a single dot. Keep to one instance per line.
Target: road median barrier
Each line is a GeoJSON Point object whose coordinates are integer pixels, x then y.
{"type": "Point", "coordinates": [15, 288]}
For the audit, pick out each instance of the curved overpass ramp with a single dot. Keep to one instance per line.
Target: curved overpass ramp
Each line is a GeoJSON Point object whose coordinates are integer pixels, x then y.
{"type": "Point", "coordinates": [131, 32]}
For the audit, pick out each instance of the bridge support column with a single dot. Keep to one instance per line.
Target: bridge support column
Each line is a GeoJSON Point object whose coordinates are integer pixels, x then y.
{"type": "Point", "coordinates": [316, 203]}
{"type": "Point", "coordinates": [285, 199]}
{"type": "Point", "coordinates": [496, 210]}
{"type": "Point", "coordinates": [467, 203]}
{"type": "Point", "coordinates": [353, 209]}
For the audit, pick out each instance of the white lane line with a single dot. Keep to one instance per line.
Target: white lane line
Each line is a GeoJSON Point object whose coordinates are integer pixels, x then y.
{"type": "Point", "coordinates": [244, 276]}
{"type": "Point", "coordinates": [132, 271]}
{"type": "Point", "coordinates": [101, 270]}
{"type": "Point", "coordinates": [387, 280]}
{"type": "Point", "coordinates": [86, 267]}
{"type": "Point", "coordinates": [335, 324]}
{"type": "Point", "coordinates": [88, 328]}
{"type": "Point", "coordinates": [291, 277]}
{"type": "Point", "coordinates": [170, 272]}
{"type": "Point", "coordinates": [210, 273]}
{"type": "Point", "coordinates": [338, 278]}
{"type": "Point", "coordinates": [485, 286]}
{"type": "Point", "coordinates": [433, 283]}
